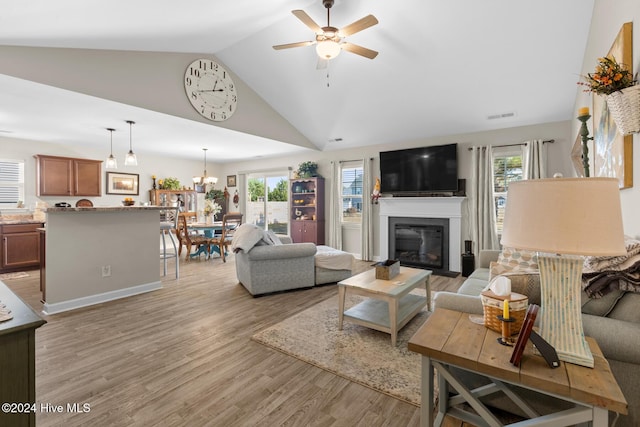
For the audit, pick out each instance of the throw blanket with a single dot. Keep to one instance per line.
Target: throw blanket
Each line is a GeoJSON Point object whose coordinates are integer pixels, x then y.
{"type": "Point", "coordinates": [333, 259]}
{"type": "Point", "coordinates": [601, 275]}
{"type": "Point", "coordinates": [246, 237]}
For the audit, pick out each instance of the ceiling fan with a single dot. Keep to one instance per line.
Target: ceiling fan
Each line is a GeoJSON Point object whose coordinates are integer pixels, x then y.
{"type": "Point", "coordinates": [329, 40]}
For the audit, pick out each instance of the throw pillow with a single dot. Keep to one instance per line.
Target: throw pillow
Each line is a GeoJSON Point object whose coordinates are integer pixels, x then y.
{"type": "Point", "coordinates": [518, 259]}
{"type": "Point", "coordinates": [271, 237]}
{"type": "Point", "coordinates": [521, 283]}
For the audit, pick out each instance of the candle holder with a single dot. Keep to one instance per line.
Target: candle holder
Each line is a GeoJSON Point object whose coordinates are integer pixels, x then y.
{"type": "Point", "coordinates": [506, 339]}
{"type": "Point", "coordinates": [154, 183]}
{"type": "Point", "coordinates": [584, 134]}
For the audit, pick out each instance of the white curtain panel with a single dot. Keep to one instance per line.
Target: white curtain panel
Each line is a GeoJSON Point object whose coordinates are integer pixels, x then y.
{"type": "Point", "coordinates": [335, 207]}
{"type": "Point", "coordinates": [366, 250]}
{"type": "Point", "coordinates": [241, 186]}
{"type": "Point", "coordinates": [535, 159]}
{"type": "Point", "coordinates": [481, 203]}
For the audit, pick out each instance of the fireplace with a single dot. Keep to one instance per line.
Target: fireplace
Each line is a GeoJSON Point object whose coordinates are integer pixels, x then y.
{"type": "Point", "coordinates": [436, 220]}
{"type": "Point", "coordinates": [420, 242]}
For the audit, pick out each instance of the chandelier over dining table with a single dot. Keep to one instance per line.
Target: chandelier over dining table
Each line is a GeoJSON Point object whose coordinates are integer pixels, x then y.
{"type": "Point", "coordinates": [205, 179]}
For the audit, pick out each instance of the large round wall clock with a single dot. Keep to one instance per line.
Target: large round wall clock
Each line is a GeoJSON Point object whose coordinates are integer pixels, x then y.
{"type": "Point", "coordinates": [210, 89]}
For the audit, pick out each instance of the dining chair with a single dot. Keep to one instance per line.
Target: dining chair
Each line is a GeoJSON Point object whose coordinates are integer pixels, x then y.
{"type": "Point", "coordinates": [189, 239]}
{"type": "Point", "coordinates": [167, 228]}
{"type": "Point", "coordinates": [230, 222]}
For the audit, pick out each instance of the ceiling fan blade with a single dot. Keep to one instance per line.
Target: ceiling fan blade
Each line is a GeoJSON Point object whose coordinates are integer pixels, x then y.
{"type": "Point", "coordinates": [359, 50]}
{"type": "Point", "coordinates": [322, 63]}
{"type": "Point", "coordinates": [306, 19]}
{"type": "Point", "coordinates": [290, 45]}
{"type": "Point", "coordinates": [359, 25]}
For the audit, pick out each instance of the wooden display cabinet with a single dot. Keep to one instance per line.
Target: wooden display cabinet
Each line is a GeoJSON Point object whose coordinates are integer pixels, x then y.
{"type": "Point", "coordinates": [187, 200]}
{"type": "Point", "coordinates": [68, 176]}
{"type": "Point", "coordinates": [306, 210]}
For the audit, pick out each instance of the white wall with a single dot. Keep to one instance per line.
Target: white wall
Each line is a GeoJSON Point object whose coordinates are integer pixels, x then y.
{"type": "Point", "coordinates": [558, 158]}
{"type": "Point", "coordinates": [608, 17]}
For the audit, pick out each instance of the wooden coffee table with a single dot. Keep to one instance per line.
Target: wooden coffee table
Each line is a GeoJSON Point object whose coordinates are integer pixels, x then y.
{"type": "Point", "coordinates": [390, 306]}
{"type": "Point", "coordinates": [448, 338]}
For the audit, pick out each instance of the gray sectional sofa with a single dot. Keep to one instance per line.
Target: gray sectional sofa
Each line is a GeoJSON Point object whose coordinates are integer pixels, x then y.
{"type": "Point", "coordinates": [614, 322]}
{"type": "Point", "coordinates": [267, 263]}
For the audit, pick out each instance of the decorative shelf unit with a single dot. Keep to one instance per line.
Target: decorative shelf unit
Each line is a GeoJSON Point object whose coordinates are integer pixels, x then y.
{"type": "Point", "coordinates": [306, 210]}
{"type": "Point", "coordinates": [185, 200]}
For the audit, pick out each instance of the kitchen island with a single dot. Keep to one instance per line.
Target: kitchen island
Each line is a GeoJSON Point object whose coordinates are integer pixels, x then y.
{"type": "Point", "coordinates": [99, 254]}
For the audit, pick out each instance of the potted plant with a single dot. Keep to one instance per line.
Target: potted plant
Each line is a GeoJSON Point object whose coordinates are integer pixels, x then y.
{"type": "Point", "coordinates": [617, 84]}
{"type": "Point", "coordinates": [171, 183]}
{"type": "Point", "coordinates": [307, 169]}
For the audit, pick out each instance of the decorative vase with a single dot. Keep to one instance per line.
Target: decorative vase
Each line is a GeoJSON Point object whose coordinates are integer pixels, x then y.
{"type": "Point", "coordinates": [207, 219]}
{"type": "Point", "coordinates": [624, 106]}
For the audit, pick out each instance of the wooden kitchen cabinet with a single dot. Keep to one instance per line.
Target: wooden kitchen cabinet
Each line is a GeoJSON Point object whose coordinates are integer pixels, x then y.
{"type": "Point", "coordinates": [68, 176]}
{"type": "Point", "coordinates": [20, 246]}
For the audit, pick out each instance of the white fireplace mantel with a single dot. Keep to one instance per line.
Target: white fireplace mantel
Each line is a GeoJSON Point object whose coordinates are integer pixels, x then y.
{"type": "Point", "coordinates": [424, 207]}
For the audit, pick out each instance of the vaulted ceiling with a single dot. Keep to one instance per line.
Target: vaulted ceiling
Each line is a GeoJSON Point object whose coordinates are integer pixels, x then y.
{"type": "Point", "coordinates": [443, 68]}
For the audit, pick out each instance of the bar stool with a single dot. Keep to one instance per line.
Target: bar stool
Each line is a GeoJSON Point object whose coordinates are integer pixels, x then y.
{"type": "Point", "coordinates": [167, 228]}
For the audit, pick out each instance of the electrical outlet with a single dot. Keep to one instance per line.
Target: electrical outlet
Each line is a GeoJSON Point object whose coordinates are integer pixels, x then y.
{"type": "Point", "coordinates": [106, 271]}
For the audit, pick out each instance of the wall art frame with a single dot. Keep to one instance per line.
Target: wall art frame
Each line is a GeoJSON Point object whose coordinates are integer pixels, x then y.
{"type": "Point", "coordinates": [123, 183]}
{"type": "Point", "coordinates": [613, 152]}
{"type": "Point", "coordinates": [231, 180]}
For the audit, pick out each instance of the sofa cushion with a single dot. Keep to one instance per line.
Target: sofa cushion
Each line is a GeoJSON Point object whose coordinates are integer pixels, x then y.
{"type": "Point", "coordinates": [480, 274]}
{"type": "Point", "coordinates": [600, 306]}
{"type": "Point", "coordinates": [472, 287]}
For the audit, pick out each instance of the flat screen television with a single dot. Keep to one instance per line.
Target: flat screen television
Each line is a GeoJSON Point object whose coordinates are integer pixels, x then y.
{"type": "Point", "coordinates": [421, 170]}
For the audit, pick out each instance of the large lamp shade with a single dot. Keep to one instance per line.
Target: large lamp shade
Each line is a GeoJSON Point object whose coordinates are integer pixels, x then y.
{"type": "Point", "coordinates": [562, 219]}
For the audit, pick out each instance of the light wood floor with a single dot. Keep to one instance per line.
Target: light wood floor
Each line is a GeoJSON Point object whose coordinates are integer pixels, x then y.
{"type": "Point", "coordinates": [182, 356]}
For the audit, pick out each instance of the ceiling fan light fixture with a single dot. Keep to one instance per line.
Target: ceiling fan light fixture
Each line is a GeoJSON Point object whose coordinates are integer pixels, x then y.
{"type": "Point", "coordinates": [328, 49]}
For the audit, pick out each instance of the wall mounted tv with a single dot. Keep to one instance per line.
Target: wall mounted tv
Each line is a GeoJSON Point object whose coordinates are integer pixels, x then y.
{"type": "Point", "coordinates": [416, 171]}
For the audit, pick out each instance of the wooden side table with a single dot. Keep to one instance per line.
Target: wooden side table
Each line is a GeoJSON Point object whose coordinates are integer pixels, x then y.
{"type": "Point", "coordinates": [449, 339]}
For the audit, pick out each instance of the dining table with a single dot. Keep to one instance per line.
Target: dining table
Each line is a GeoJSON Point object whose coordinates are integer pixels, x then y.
{"type": "Point", "coordinates": [209, 229]}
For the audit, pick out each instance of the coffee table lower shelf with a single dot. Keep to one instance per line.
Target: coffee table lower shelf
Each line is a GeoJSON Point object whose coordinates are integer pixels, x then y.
{"type": "Point", "coordinates": [374, 313]}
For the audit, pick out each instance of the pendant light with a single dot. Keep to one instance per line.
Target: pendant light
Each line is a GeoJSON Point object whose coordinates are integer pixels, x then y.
{"type": "Point", "coordinates": [204, 179]}
{"type": "Point", "coordinates": [112, 163]}
{"type": "Point", "coordinates": [130, 159]}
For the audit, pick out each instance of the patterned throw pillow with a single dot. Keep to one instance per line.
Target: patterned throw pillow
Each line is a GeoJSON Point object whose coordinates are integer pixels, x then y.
{"type": "Point", "coordinates": [518, 259]}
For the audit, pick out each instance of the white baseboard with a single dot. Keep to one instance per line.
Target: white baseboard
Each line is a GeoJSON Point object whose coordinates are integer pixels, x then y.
{"type": "Point", "coordinates": [60, 307]}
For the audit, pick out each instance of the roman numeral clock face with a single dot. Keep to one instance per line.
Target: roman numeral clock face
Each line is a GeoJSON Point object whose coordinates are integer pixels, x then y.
{"type": "Point", "coordinates": [210, 90]}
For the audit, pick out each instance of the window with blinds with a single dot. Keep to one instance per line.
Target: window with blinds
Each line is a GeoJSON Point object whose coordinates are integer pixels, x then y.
{"type": "Point", "coordinates": [11, 182]}
{"type": "Point", "coordinates": [352, 193]}
{"type": "Point", "coordinates": [507, 168]}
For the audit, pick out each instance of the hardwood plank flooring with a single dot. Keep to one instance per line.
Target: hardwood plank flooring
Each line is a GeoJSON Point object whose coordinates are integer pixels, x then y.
{"type": "Point", "coordinates": [182, 356]}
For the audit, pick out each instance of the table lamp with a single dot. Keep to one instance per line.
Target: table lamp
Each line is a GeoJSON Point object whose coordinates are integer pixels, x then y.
{"type": "Point", "coordinates": [564, 219]}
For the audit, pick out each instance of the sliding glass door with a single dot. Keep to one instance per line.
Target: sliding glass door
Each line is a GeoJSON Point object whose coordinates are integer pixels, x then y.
{"type": "Point", "coordinates": [268, 201]}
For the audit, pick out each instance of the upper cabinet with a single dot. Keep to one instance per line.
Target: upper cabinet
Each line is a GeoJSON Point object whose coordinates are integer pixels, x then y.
{"type": "Point", "coordinates": [67, 176]}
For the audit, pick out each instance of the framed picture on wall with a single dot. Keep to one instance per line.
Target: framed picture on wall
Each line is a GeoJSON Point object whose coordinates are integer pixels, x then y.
{"type": "Point", "coordinates": [613, 152]}
{"type": "Point", "coordinates": [122, 183]}
{"type": "Point", "coordinates": [231, 180]}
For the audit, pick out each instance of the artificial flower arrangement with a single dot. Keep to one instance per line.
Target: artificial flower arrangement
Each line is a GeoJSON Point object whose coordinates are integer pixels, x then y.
{"type": "Point", "coordinates": [211, 207]}
{"type": "Point", "coordinates": [620, 90]}
{"type": "Point", "coordinates": [609, 77]}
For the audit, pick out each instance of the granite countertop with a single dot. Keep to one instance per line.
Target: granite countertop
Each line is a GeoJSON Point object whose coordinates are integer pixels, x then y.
{"type": "Point", "coordinates": [4, 221]}
{"type": "Point", "coordinates": [110, 209]}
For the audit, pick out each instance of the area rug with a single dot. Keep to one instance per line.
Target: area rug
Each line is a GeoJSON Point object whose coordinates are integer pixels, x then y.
{"type": "Point", "coordinates": [356, 353]}
{"type": "Point", "coordinates": [18, 275]}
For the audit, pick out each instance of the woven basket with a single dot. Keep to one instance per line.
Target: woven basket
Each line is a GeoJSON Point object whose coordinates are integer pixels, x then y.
{"type": "Point", "coordinates": [624, 106]}
{"type": "Point", "coordinates": [492, 306]}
